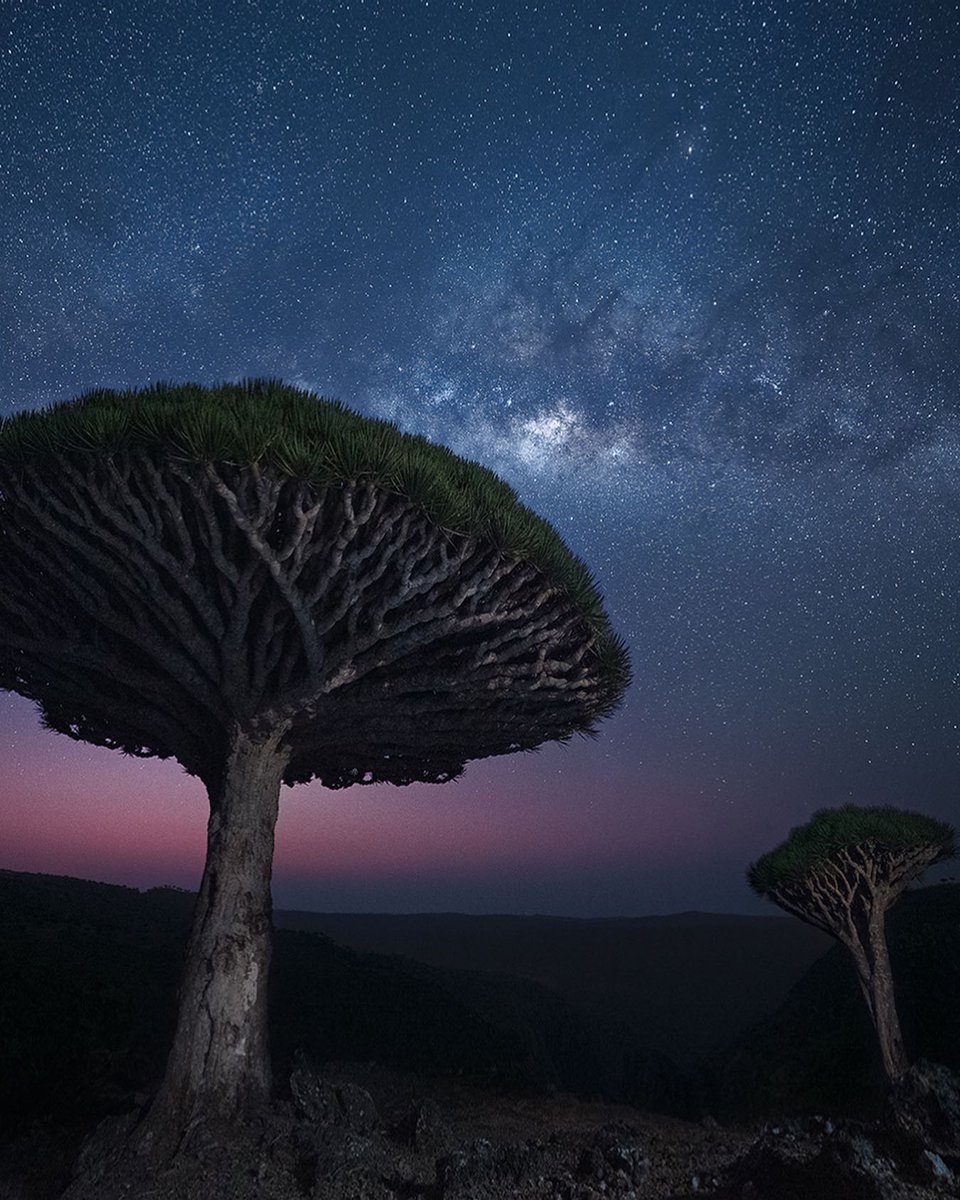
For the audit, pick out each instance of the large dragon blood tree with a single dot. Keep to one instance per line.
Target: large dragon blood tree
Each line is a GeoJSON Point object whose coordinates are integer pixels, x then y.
{"type": "Point", "coordinates": [840, 872]}
{"type": "Point", "coordinates": [272, 589]}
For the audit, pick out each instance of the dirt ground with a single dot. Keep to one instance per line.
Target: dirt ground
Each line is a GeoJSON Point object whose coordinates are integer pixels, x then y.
{"type": "Point", "coordinates": [367, 1133]}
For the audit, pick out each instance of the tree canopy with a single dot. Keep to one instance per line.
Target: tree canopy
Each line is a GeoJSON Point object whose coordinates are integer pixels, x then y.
{"type": "Point", "coordinates": [319, 441]}
{"type": "Point", "coordinates": [841, 872]}
{"type": "Point", "coordinates": [174, 560]}
{"type": "Point", "coordinates": [271, 588]}
{"type": "Point", "coordinates": [812, 844]}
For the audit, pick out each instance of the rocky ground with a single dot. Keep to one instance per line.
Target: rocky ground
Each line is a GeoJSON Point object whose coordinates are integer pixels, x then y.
{"type": "Point", "coordinates": [371, 1134]}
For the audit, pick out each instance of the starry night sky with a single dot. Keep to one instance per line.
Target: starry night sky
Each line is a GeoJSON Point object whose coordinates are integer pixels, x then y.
{"type": "Point", "coordinates": [684, 274]}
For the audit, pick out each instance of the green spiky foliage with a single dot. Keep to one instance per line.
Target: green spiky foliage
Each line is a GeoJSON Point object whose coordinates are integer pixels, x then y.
{"type": "Point", "coordinates": [322, 442]}
{"type": "Point", "coordinates": [883, 827]}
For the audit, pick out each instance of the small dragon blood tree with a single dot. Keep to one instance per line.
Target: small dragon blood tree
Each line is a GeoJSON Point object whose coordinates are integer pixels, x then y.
{"type": "Point", "coordinates": [841, 872]}
{"type": "Point", "coordinates": [272, 589]}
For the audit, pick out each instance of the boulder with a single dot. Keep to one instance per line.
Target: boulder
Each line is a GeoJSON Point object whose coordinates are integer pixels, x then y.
{"type": "Point", "coordinates": [925, 1103]}
{"type": "Point", "coordinates": [813, 1159]}
{"type": "Point", "coordinates": [324, 1103]}
{"type": "Point", "coordinates": [424, 1129]}
{"type": "Point", "coordinates": [613, 1158]}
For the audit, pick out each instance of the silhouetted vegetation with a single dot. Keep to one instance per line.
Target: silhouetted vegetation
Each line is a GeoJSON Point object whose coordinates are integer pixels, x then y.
{"type": "Point", "coordinates": [841, 872]}
{"type": "Point", "coordinates": [267, 422]}
{"type": "Point", "coordinates": [272, 589]}
{"type": "Point", "coordinates": [818, 1052]}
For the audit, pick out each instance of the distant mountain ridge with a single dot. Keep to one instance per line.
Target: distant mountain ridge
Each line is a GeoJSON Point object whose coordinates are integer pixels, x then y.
{"type": "Point", "coordinates": [87, 1007]}
{"type": "Point", "coordinates": [597, 1007]}
{"type": "Point", "coordinates": [685, 984]}
{"type": "Point", "coordinates": [88, 979]}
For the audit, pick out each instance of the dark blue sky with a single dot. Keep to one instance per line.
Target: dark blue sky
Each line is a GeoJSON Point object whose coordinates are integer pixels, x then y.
{"type": "Point", "coordinates": [685, 274]}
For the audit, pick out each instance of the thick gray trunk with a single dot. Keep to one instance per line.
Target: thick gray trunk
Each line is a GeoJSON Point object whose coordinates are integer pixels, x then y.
{"type": "Point", "coordinates": [876, 983]}
{"type": "Point", "coordinates": [219, 1066]}
{"type": "Point", "coordinates": [884, 1004]}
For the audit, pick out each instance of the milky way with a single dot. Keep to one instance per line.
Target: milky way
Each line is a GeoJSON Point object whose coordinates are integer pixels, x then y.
{"type": "Point", "coordinates": [686, 275]}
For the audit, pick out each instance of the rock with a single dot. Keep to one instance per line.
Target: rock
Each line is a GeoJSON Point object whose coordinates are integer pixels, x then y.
{"type": "Point", "coordinates": [925, 1103]}
{"type": "Point", "coordinates": [357, 1109]}
{"type": "Point", "coordinates": [815, 1160]}
{"type": "Point", "coordinates": [481, 1171]}
{"type": "Point", "coordinates": [323, 1103]}
{"type": "Point", "coordinates": [105, 1145]}
{"type": "Point", "coordinates": [314, 1098]}
{"type": "Point", "coordinates": [613, 1157]}
{"type": "Point", "coordinates": [938, 1167]}
{"type": "Point", "coordinates": [424, 1129]}
{"type": "Point", "coordinates": [261, 1159]}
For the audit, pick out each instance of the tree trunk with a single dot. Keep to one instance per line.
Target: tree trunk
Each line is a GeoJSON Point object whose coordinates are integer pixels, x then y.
{"type": "Point", "coordinates": [876, 983]}
{"type": "Point", "coordinates": [219, 1066]}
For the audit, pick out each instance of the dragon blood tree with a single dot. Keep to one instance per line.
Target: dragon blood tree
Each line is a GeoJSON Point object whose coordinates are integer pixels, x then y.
{"type": "Point", "coordinates": [841, 872]}
{"type": "Point", "coordinates": [272, 589]}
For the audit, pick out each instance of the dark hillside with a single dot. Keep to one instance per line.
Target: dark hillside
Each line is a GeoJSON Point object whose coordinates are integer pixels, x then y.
{"type": "Point", "coordinates": [90, 973]}
{"type": "Point", "coordinates": [685, 985]}
{"type": "Point", "coordinates": [89, 976]}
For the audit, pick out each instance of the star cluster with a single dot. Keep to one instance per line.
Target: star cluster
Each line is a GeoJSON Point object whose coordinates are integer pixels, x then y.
{"type": "Point", "coordinates": [685, 274]}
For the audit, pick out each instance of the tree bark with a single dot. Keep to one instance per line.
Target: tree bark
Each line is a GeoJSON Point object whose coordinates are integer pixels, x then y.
{"type": "Point", "coordinates": [878, 990]}
{"type": "Point", "coordinates": [219, 1067]}
{"type": "Point", "coordinates": [868, 946]}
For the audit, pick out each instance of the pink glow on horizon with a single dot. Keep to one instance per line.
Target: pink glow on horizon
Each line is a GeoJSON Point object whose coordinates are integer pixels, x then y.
{"type": "Point", "coordinates": [68, 808]}
{"type": "Point", "coordinates": [146, 822]}
{"type": "Point", "coordinates": [482, 822]}
{"type": "Point", "coordinates": [85, 811]}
